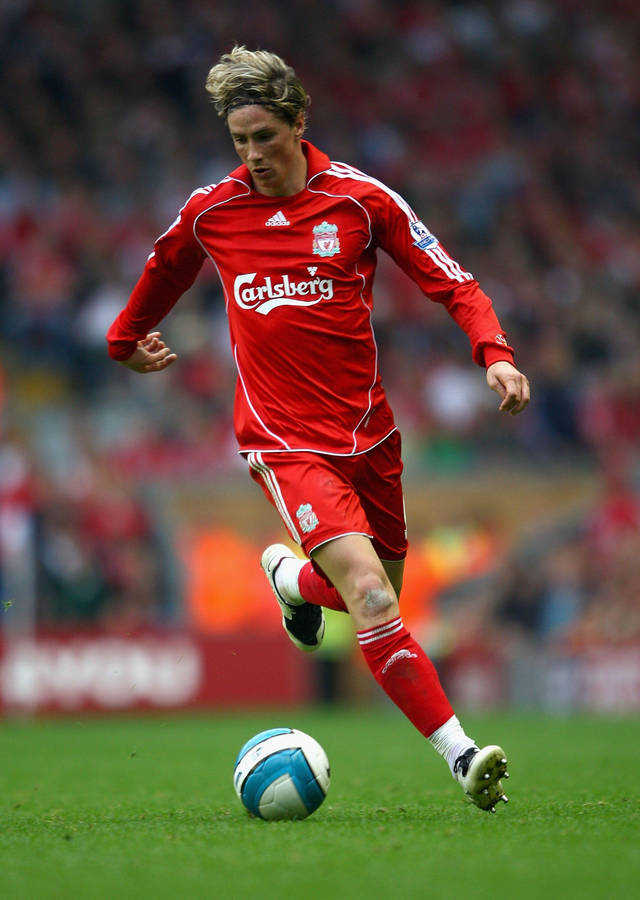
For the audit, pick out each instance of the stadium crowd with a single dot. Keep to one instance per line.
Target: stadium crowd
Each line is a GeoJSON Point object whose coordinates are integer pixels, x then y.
{"type": "Point", "coordinates": [512, 127]}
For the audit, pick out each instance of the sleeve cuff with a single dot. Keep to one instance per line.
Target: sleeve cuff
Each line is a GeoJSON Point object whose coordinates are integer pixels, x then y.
{"type": "Point", "coordinates": [493, 353]}
{"type": "Point", "coordinates": [120, 350]}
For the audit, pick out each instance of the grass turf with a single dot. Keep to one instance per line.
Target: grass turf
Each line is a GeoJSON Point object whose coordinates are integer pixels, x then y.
{"type": "Point", "coordinates": [124, 808]}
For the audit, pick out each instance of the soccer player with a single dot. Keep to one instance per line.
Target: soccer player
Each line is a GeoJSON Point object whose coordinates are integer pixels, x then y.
{"type": "Point", "coordinates": [294, 238]}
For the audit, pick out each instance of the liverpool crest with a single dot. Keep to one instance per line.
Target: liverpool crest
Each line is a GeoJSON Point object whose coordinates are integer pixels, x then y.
{"type": "Point", "coordinates": [325, 239]}
{"type": "Point", "coordinates": [306, 517]}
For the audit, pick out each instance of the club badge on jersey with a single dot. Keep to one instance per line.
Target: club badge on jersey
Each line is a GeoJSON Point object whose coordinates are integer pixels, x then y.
{"type": "Point", "coordinates": [325, 239]}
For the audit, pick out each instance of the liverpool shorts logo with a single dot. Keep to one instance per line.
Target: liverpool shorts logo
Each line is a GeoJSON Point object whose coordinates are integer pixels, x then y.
{"type": "Point", "coordinates": [306, 517]}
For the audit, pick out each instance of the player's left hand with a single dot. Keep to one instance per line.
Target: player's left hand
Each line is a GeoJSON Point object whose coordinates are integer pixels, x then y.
{"type": "Point", "coordinates": [150, 355]}
{"type": "Point", "coordinates": [510, 384]}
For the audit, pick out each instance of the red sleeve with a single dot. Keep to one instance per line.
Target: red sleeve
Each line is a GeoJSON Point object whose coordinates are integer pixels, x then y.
{"type": "Point", "coordinates": [441, 278]}
{"type": "Point", "coordinates": [170, 271]}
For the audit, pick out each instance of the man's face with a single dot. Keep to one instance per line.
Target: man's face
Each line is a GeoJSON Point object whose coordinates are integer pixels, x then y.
{"type": "Point", "coordinates": [270, 148]}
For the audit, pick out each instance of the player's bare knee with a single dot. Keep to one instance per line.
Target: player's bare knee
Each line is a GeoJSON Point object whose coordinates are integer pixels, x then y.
{"type": "Point", "coordinates": [378, 601]}
{"type": "Point", "coordinates": [374, 599]}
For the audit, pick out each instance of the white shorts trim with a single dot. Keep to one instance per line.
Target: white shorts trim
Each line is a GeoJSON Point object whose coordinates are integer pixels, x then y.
{"type": "Point", "coordinates": [336, 536]}
{"type": "Point", "coordinates": [268, 477]}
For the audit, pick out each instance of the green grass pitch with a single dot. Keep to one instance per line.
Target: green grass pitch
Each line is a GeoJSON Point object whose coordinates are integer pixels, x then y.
{"type": "Point", "coordinates": [144, 807]}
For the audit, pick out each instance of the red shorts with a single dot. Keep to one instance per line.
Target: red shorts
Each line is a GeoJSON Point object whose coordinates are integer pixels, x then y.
{"type": "Point", "coordinates": [321, 497]}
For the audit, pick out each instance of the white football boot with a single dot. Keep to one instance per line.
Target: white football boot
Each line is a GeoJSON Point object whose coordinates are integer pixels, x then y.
{"type": "Point", "coordinates": [479, 773]}
{"type": "Point", "coordinates": [303, 622]}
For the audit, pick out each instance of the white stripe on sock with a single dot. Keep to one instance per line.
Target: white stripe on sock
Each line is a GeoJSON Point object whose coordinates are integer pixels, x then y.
{"type": "Point", "coordinates": [380, 632]}
{"type": "Point", "coordinates": [370, 631]}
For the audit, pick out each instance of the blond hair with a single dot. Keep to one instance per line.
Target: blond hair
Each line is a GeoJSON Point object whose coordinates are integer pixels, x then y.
{"type": "Point", "coordinates": [244, 77]}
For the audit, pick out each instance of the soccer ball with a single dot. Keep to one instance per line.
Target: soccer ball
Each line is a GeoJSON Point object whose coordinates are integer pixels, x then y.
{"type": "Point", "coordinates": [282, 773]}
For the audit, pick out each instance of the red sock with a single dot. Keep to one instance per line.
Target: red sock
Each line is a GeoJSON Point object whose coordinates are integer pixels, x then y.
{"type": "Point", "coordinates": [316, 588]}
{"type": "Point", "coordinates": [406, 674]}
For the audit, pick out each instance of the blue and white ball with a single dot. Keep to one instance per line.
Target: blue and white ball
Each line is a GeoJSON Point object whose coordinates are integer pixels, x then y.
{"type": "Point", "coordinates": [282, 773]}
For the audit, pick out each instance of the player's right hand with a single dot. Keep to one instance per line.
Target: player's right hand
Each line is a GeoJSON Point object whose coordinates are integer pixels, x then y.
{"type": "Point", "coordinates": [510, 384]}
{"type": "Point", "coordinates": [151, 355]}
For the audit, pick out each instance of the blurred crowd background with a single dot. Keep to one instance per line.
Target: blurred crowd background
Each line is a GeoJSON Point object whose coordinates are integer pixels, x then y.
{"type": "Point", "coordinates": [513, 129]}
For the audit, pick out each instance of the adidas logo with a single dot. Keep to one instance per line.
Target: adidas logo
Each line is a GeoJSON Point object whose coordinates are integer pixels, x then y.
{"type": "Point", "coordinates": [278, 219]}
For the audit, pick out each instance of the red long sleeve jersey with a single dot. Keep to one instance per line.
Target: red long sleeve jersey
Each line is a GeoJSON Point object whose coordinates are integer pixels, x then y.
{"type": "Point", "coordinates": [297, 275]}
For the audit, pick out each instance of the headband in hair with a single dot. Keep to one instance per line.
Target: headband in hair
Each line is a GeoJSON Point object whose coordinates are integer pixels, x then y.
{"type": "Point", "coordinates": [249, 100]}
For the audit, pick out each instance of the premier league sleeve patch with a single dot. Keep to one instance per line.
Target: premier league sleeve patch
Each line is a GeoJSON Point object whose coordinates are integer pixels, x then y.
{"type": "Point", "coordinates": [424, 240]}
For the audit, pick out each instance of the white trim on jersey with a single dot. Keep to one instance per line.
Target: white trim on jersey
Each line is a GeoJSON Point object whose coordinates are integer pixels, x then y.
{"type": "Point", "coordinates": [226, 301]}
{"type": "Point", "coordinates": [342, 170]}
{"type": "Point", "coordinates": [443, 264]}
{"type": "Point", "coordinates": [364, 284]}
{"type": "Point", "coordinates": [251, 406]}
{"type": "Point", "coordinates": [437, 254]}
{"type": "Point", "coordinates": [342, 197]}
{"type": "Point", "coordinates": [243, 451]}
{"type": "Point", "coordinates": [447, 264]}
{"type": "Point", "coordinates": [267, 474]}
{"type": "Point", "coordinates": [213, 206]}
{"type": "Point", "coordinates": [375, 365]}
{"type": "Point", "coordinates": [200, 190]}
